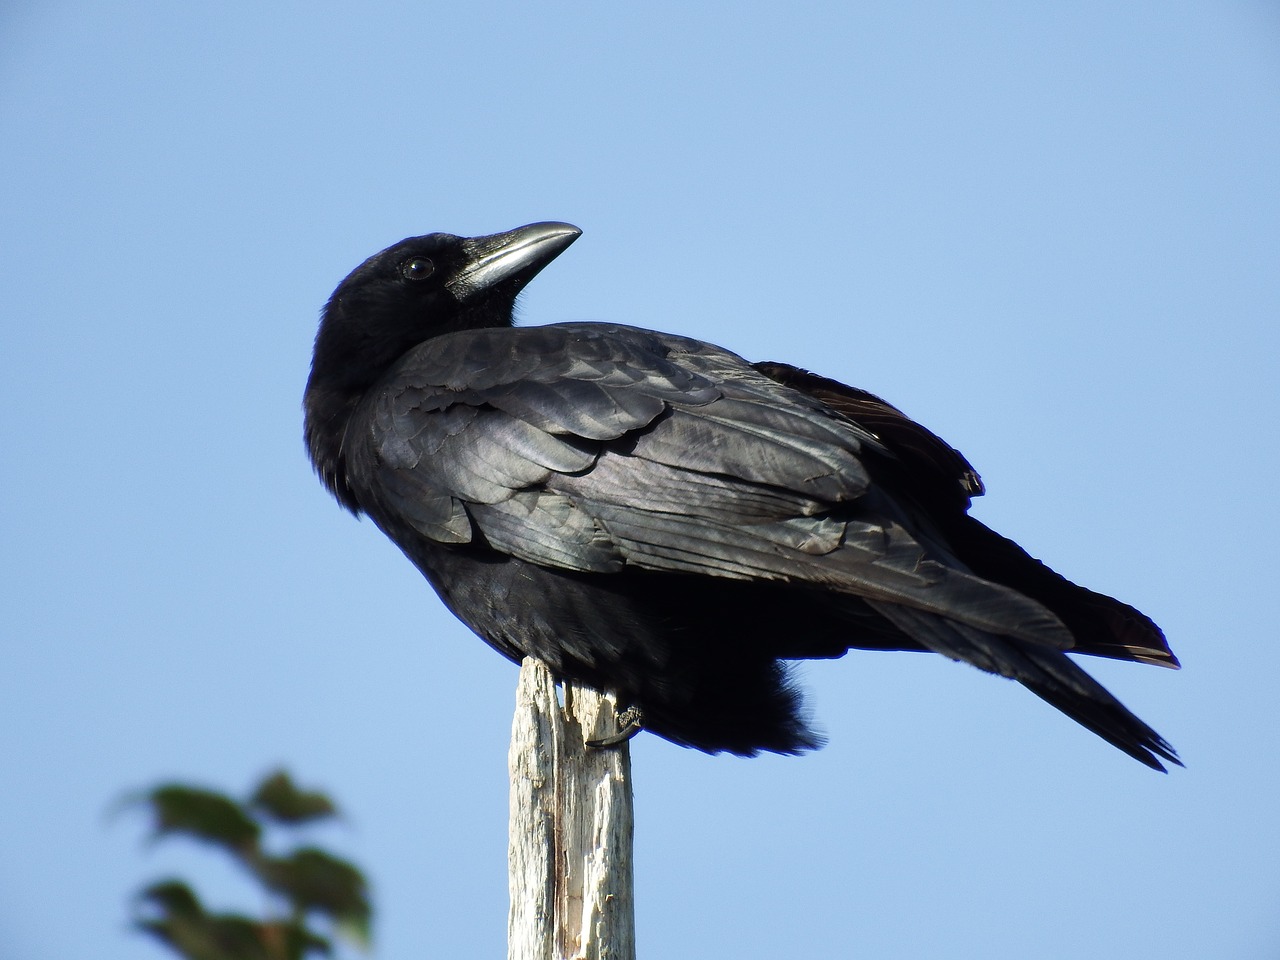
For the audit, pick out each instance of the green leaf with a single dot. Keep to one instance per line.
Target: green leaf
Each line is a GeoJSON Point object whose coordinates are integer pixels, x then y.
{"type": "Point", "coordinates": [212, 817]}
{"type": "Point", "coordinates": [312, 880]}
{"type": "Point", "coordinates": [281, 800]}
{"type": "Point", "coordinates": [211, 938]}
{"type": "Point", "coordinates": [171, 912]}
{"type": "Point", "coordinates": [297, 940]}
{"type": "Point", "coordinates": [172, 897]}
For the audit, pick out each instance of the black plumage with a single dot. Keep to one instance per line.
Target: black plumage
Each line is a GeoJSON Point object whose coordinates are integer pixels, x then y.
{"type": "Point", "coordinates": [657, 517]}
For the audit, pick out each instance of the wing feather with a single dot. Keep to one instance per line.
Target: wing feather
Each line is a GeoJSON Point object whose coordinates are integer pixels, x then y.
{"type": "Point", "coordinates": [586, 447]}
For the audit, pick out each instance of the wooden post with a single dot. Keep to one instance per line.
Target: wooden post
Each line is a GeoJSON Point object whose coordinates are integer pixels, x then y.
{"type": "Point", "coordinates": [569, 850]}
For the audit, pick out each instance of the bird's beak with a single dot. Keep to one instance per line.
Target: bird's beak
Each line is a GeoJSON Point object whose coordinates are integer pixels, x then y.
{"type": "Point", "coordinates": [512, 258]}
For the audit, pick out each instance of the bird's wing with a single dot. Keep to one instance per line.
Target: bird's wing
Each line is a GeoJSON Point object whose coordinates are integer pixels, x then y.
{"type": "Point", "coordinates": [938, 471]}
{"type": "Point", "coordinates": [591, 447]}
{"type": "Point", "coordinates": [938, 477]}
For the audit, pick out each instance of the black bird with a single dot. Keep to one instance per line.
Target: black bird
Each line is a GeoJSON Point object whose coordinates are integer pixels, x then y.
{"type": "Point", "coordinates": [657, 517]}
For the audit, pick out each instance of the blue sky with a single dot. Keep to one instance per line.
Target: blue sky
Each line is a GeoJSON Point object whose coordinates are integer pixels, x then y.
{"type": "Point", "coordinates": [1049, 231]}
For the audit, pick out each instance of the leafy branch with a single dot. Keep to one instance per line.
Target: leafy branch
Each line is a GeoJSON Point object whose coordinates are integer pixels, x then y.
{"type": "Point", "coordinates": [303, 884]}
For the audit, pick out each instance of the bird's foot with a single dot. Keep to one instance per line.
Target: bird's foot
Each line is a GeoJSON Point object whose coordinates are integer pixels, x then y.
{"type": "Point", "coordinates": [630, 722]}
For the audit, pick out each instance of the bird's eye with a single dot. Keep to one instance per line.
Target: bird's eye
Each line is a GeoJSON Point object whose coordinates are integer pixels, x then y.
{"type": "Point", "coordinates": [417, 268]}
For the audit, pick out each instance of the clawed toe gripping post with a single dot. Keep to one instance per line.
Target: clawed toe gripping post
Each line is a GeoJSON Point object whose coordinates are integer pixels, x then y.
{"type": "Point", "coordinates": [630, 722]}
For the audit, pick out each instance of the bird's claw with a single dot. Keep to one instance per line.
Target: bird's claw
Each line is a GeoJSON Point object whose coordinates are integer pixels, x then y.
{"type": "Point", "coordinates": [630, 722]}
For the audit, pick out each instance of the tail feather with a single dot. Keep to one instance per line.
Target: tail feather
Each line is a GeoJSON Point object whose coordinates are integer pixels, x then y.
{"type": "Point", "coordinates": [1101, 625]}
{"type": "Point", "coordinates": [1045, 671]}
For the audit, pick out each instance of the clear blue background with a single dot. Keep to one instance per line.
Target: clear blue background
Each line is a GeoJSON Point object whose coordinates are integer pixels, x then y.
{"type": "Point", "coordinates": [1049, 231]}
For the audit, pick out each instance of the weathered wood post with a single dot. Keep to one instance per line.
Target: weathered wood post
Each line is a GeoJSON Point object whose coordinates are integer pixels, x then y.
{"type": "Point", "coordinates": [569, 849]}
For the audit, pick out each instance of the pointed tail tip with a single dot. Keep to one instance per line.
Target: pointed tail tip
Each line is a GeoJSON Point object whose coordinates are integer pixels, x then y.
{"type": "Point", "coordinates": [1151, 751]}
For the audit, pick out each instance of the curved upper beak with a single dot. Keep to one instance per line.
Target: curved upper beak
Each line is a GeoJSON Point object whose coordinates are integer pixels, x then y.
{"type": "Point", "coordinates": [512, 258]}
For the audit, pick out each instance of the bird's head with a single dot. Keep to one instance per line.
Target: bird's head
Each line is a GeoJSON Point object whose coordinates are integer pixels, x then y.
{"type": "Point", "coordinates": [425, 286]}
{"type": "Point", "coordinates": [410, 292]}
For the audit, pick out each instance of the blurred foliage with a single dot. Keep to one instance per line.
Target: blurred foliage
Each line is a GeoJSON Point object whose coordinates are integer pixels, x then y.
{"type": "Point", "coordinates": [279, 799]}
{"type": "Point", "coordinates": [303, 885]}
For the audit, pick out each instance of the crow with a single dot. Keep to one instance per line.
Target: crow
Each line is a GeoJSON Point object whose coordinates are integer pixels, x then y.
{"type": "Point", "coordinates": [656, 517]}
